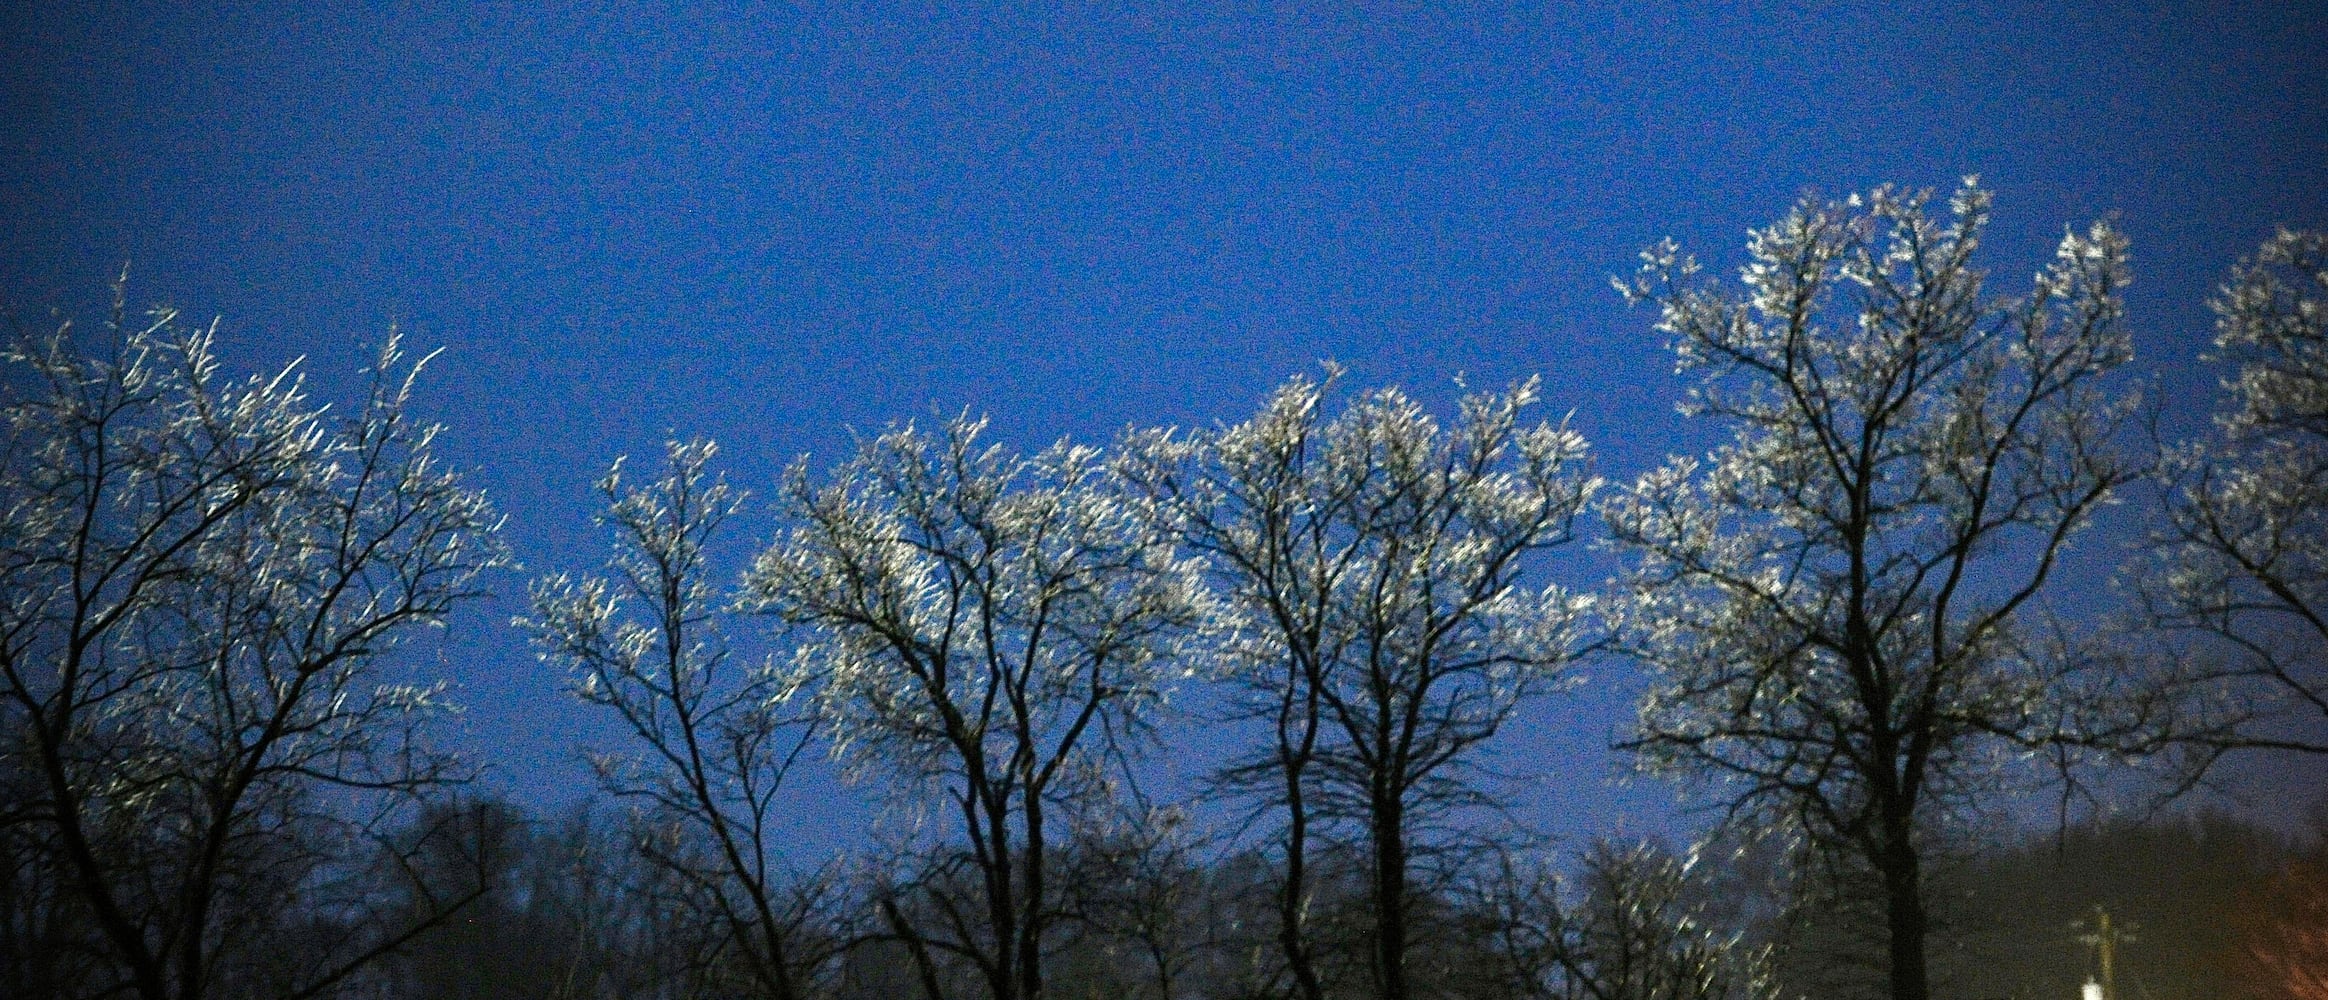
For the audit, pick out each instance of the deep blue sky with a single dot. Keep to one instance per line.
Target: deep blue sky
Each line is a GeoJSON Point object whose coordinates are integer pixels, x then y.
{"type": "Point", "coordinates": [771, 224]}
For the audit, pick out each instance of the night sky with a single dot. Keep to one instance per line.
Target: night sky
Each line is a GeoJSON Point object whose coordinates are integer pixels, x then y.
{"type": "Point", "coordinates": [773, 225]}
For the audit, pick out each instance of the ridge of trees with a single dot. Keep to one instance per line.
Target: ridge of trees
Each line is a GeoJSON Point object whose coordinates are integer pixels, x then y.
{"type": "Point", "coordinates": [214, 781]}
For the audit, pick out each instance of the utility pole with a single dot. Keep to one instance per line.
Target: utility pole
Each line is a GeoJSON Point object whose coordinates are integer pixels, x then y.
{"type": "Point", "coordinates": [2105, 938]}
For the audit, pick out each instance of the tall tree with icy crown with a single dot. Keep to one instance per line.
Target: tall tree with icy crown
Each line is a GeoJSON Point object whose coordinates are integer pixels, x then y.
{"type": "Point", "coordinates": [1832, 605]}
{"type": "Point", "coordinates": [2246, 551]}
{"type": "Point", "coordinates": [1372, 565]}
{"type": "Point", "coordinates": [991, 623]}
{"type": "Point", "coordinates": [712, 741]}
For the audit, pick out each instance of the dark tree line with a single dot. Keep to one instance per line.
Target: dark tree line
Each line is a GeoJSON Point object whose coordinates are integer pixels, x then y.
{"type": "Point", "coordinates": [571, 908]}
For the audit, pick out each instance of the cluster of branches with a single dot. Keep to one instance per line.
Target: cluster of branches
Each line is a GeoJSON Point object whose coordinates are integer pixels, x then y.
{"type": "Point", "coordinates": [200, 578]}
{"type": "Point", "coordinates": [1842, 613]}
{"type": "Point", "coordinates": [2243, 557]}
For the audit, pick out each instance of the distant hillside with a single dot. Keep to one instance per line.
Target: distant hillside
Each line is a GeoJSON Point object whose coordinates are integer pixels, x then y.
{"type": "Point", "coordinates": [2194, 895]}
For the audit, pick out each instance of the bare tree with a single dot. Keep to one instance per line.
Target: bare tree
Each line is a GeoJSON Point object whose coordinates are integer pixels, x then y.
{"type": "Point", "coordinates": [1639, 928]}
{"type": "Point", "coordinates": [1136, 884]}
{"type": "Point", "coordinates": [2246, 544]}
{"type": "Point", "coordinates": [199, 581]}
{"type": "Point", "coordinates": [1831, 606]}
{"type": "Point", "coordinates": [992, 624]}
{"type": "Point", "coordinates": [480, 843]}
{"type": "Point", "coordinates": [713, 739]}
{"type": "Point", "coordinates": [1371, 565]}
{"type": "Point", "coordinates": [574, 911]}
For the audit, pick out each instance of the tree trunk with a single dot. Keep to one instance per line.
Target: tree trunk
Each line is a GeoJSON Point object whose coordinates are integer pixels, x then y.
{"type": "Point", "coordinates": [1904, 916]}
{"type": "Point", "coordinates": [1030, 943]}
{"type": "Point", "coordinates": [995, 863]}
{"type": "Point", "coordinates": [1292, 902]}
{"type": "Point", "coordinates": [1390, 899]}
{"type": "Point", "coordinates": [1291, 934]}
{"type": "Point", "coordinates": [923, 966]}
